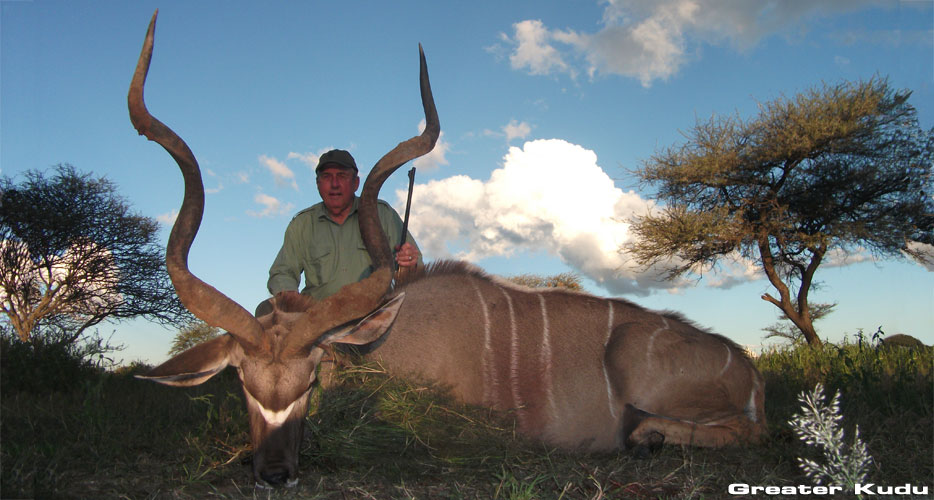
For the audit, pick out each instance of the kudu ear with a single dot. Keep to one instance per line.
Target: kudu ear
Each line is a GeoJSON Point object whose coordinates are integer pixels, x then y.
{"type": "Point", "coordinates": [369, 328]}
{"type": "Point", "coordinates": [197, 364]}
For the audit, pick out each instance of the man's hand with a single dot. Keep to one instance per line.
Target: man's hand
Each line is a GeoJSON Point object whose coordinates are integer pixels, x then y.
{"type": "Point", "coordinates": [407, 255]}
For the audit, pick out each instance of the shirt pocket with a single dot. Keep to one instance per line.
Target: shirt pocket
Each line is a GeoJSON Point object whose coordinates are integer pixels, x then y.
{"type": "Point", "coordinates": [320, 268]}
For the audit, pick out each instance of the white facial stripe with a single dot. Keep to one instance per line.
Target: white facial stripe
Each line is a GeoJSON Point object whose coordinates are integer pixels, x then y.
{"type": "Point", "coordinates": [274, 418]}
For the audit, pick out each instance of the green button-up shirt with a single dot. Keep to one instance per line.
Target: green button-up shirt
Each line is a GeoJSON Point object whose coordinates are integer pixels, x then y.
{"type": "Point", "coordinates": [329, 254]}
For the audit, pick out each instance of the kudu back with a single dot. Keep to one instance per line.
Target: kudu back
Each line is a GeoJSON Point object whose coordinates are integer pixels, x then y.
{"type": "Point", "coordinates": [580, 371]}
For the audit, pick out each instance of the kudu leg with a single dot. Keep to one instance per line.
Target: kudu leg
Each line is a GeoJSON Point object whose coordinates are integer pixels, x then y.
{"type": "Point", "coordinates": [679, 386]}
{"type": "Point", "coordinates": [644, 444]}
{"type": "Point", "coordinates": [644, 432]}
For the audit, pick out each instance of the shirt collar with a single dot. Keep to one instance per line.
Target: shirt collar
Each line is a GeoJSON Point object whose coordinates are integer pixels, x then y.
{"type": "Point", "coordinates": [323, 210]}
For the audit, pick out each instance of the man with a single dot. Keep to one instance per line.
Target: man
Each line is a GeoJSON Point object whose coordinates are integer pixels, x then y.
{"type": "Point", "coordinates": [323, 241]}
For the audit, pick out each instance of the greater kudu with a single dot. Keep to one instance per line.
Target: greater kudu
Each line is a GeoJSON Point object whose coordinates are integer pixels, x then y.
{"type": "Point", "coordinates": [580, 371]}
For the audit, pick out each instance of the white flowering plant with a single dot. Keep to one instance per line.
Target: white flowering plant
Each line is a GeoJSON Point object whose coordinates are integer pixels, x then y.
{"type": "Point", "coordinates": [819, 425]}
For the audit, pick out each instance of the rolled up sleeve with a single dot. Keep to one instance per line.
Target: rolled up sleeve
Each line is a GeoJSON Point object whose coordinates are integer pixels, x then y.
{"type": "Point", "coordinates": [286, 271]}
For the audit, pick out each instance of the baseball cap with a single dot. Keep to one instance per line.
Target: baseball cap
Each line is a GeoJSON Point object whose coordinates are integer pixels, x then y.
{"type": "Point", "coordinates": [338, 157]}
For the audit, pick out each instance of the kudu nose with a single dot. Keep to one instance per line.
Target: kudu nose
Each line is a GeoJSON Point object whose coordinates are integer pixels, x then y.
{"type": "Point", "coordinates": [275, 477]}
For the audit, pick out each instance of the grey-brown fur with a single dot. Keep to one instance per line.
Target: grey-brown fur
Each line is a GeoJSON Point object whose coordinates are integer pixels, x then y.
{"type": "Point", "coordinates": [569, 384]}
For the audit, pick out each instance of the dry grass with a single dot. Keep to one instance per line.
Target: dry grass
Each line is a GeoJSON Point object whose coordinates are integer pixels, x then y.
{"type": "Point", "coordinates": [375, 436]}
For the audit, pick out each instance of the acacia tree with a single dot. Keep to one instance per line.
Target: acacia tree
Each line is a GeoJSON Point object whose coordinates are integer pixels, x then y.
{"type": "Point", "coordinates": [571, 281]}
{"type": "Point", "coordinates": [785, 329]}
{"type": "Point", "coordinates": [192, 335]}
{"type": "Point", "coordinates": [842, 167]}
{"type": "Point", "coordinates": [72, 255]}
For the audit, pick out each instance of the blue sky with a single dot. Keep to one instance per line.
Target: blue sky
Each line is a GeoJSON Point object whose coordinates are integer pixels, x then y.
{"type": "Point", "coordinates": [545, 106]}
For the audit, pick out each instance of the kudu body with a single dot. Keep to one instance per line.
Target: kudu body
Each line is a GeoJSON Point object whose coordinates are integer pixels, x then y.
{"type": "Point", "coordinates": [580, 371]}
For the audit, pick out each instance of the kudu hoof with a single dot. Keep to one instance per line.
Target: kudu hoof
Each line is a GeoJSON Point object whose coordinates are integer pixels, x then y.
{"type": "Point", "coordinates": [647, 444]}
{"type": "Point", "coordinates": [653, 442]}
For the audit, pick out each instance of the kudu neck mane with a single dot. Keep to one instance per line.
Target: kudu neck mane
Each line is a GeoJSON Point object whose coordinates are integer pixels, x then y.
{"type": "Point", "coordinates": [293, 303]}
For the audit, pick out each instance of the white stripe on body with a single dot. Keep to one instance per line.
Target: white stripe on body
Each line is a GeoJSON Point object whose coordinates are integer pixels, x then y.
{"type": "Point", "coordinates": [606, 374]}
{"type": "Point", "coordinates": [750, 409]}
{"type": "Point", "coordinates": [651, 346]}
{"type": "Point", "coordinates": [489, 374]}
{"type": "Point", "coordinates": [546, 361]}
{"type": "Point", "coordinates": [514, 357]}
{"type": "Point", "coordinates": [729, 358]}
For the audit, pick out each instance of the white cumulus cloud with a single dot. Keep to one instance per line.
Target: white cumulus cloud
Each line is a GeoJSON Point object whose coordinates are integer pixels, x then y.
{"type": "Point", "coordinates": [271, 206]}
{"type": "Point", "coordinates": [927, 254]}
{"type": "Point", "coordinates": [512, 130]}
{"type": "Point", "coordinates": [310, 159]}
{"type": "Point", "coordinates": [549, 195]}
{"type": "Point", "coordinates": [534, 49]}
{"type": "Point", "coordinates": [653, 39]}
{"type": "Point", "coordinates": [167, 219]}
{"type": "Point", "coordinates": [516, 130]}
{"type": "Point", "coordinates": [436, 158]}
{"type": "Point", "coordinates": [282, 174]}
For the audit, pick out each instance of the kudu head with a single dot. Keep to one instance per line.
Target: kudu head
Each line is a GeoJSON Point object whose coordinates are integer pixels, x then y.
{"type": "Point", "coordinates": [276, 355]}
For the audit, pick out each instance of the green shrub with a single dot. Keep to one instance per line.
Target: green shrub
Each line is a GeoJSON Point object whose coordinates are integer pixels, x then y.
{"type": "Point", "coordinates": [43, 366]}
{"type": "Point", "coordinates": [888, 380]}
{"type": "Point", "coordinates": [887, 393]}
